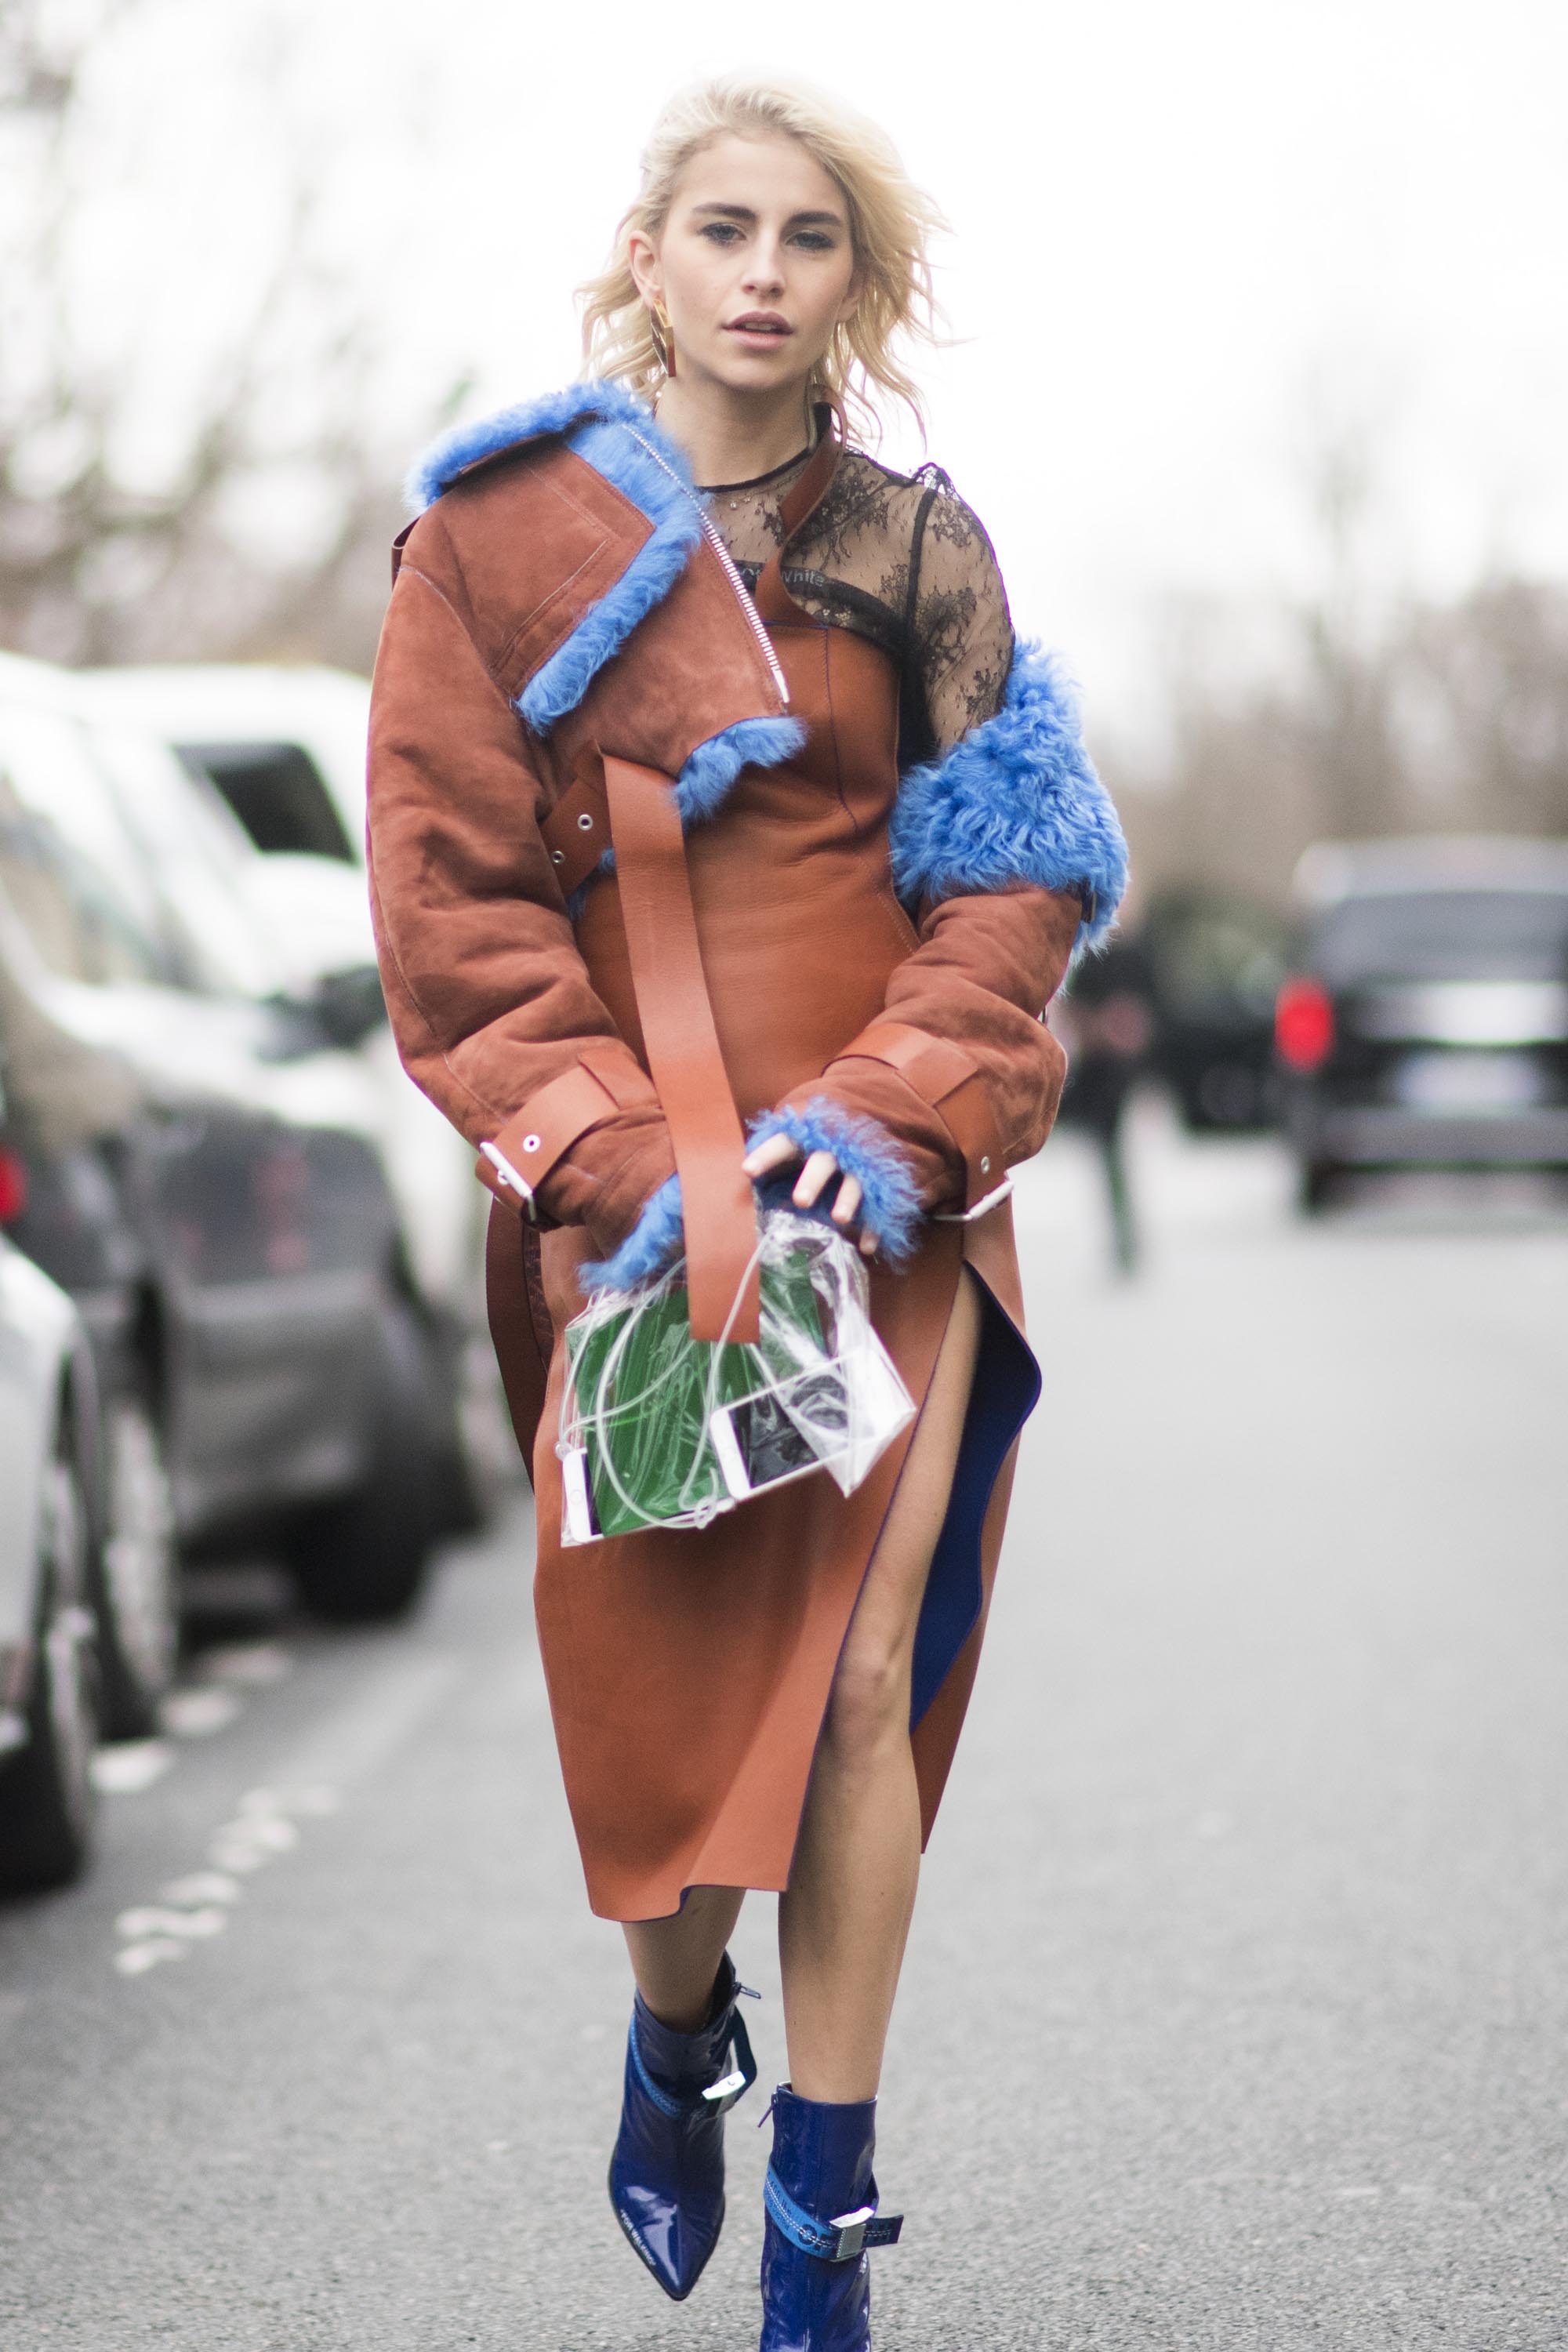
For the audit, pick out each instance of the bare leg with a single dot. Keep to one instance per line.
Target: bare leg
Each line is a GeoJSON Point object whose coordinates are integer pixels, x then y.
{"type": "Point", "coordinates": [845, 1919]}
{"type": "Point", "coordinates": [675, 1961]}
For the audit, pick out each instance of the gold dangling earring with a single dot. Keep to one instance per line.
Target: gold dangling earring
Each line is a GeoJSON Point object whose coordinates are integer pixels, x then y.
{"type": "Point", "coordinates": [663, 337]}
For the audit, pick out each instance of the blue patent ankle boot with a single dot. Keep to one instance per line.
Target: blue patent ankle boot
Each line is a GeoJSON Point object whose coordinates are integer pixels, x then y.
{"type": "Point", "coordinates": [666, 2175]}
{"type": "Point", "coordinates": [821, 2202]}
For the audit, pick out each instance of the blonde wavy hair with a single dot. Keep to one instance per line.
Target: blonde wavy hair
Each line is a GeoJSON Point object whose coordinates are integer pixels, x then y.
{"type": "Point", "coordinates": [891, 222]}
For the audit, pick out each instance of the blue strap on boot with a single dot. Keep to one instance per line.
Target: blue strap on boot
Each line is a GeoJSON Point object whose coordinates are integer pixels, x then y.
{"type": "Point", "coordinates": [666, 2173]}
{"type": "Point", "coordinates": [820, 2204]}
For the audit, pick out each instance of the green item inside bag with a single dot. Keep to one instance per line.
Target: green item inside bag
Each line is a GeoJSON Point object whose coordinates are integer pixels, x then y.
{"type": "Point", "coordinates": [646, 1390]}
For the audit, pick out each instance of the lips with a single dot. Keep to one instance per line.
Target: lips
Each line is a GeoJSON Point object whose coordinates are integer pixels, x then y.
{"type": "Point", "coordinates": [759, 323]}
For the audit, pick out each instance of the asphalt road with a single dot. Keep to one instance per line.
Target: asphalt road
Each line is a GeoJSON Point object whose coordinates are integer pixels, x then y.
{"type": "Point", "coordinates": [1237, 2009]}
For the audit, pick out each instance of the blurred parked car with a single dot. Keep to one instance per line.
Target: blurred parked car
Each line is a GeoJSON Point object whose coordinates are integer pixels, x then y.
{"type": "Point", "coordinates": [193, 1160]}
{"type": "Point", "coordinates": [285, 748]}
{"type": "Point", "coordinates": [50, 1529]}
{"type": "Point", "coordinates": [1215, 965]}
{"type": "Point", "coordinates": [1427, 1024]}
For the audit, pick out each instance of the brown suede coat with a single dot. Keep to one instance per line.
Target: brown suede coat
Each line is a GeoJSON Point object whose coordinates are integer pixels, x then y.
{"type": "Point", "coordinates": [688, 1673]}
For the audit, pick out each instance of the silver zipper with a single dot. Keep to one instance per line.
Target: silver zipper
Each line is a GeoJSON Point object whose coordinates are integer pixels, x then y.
{"type": "Point", "coordinates": [711, 535]}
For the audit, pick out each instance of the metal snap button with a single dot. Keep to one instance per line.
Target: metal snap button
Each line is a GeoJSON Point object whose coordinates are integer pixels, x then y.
{"type": "Point", "coordinates": [558, 857]}
{"type": "Point", "coordinates": [530, 1142]}
{"type": "Point", "coordinates": [584, 824]}
{"type": "Point", "coordinates": [985, 1168]}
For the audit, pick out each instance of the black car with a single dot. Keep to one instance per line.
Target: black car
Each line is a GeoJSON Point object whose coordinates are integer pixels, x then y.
{"type": "Point", "coordinates": [175, 1166]}
{"type": "Point", "coordinates": [1427, 1022]}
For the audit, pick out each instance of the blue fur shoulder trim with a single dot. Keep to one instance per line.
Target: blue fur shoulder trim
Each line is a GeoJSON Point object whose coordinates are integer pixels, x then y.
{"type": "Point", "coordinates": [864, 1150]}
{"type": "Point", "coordinates": [1016, 801]}
{"type": "Point", "coordinates": [655, 1242]}
{"type": "Point", "coordinates": [437, 467]}
{"type": "Point", "coordinates": [616, 435]}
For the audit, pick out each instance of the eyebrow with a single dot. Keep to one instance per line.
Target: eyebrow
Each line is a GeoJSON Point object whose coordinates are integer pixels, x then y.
{"type": "Point", "coordinates": [795, 220]}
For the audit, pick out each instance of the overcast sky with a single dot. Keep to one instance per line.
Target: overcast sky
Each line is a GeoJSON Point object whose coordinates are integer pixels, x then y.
{"type": "Point", "coordinates": [1181, 234]}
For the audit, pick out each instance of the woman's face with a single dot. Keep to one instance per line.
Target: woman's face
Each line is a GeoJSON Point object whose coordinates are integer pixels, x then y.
{"type": "Point", "coordinates": [754, 265]}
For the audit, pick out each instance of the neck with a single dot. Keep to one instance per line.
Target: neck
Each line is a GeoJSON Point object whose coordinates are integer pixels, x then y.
{"type": "Point", "coordinates": [728, 435]}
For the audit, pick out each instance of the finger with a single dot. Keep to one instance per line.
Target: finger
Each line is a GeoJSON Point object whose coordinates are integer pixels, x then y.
{"type": "Point", "coordinates": [813, 1177]}
{"type": "Point", "coordinates": [847, 1207]}
{"type": "Point", "coordinates": [774, 1153]}
{"type": "Point", "coordinates": [869, 1244]}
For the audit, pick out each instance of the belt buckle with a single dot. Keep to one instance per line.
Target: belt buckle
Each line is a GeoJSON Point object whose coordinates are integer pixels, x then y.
{"type": "Point", "coordinates": [510, 1177]}
{"type": "Point", "coordinates": [850, 2229]}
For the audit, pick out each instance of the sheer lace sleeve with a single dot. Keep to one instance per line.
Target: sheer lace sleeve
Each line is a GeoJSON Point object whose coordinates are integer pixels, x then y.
{"type": "Point", "coordinates": [960, 632]}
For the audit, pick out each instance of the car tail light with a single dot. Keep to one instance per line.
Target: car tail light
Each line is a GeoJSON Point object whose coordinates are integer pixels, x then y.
{"type": "Point", "coordinates": [1304, 1024]}
{"type": "Point", "coordinates": [12, 1186]}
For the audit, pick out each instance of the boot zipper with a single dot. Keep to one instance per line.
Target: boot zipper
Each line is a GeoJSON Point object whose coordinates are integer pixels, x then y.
{"type": "Point", "coordinates": [711, 535]}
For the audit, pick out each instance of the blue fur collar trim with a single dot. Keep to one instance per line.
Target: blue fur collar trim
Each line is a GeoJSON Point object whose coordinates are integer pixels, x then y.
{"type": "Point", "coordinates": [618, 438]}
{"type": "Point", "coordinates": [666, 498]}
{"type": "Point", "coordinates": [1016, 801]}
{"type": "Point", "coordinates": [529, 420]}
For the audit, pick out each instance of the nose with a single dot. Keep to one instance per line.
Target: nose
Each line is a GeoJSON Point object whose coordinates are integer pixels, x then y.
{"type": "Point", "coordinates": [764, 273]}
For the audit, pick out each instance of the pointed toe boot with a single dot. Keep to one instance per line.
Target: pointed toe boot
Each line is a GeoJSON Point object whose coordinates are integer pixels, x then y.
{"type": "Point", "coordinates": [666, 2175]}
{"type": "Point", "coordinates": [820, 2197]}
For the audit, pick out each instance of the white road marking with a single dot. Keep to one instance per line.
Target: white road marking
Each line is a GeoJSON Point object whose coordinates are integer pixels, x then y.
{"type": "Point", "coordinates": [201, 1886]}
{"type": "Point", "coordinates": [197, 1714]}
{"type": "Point", "coordinates": [132, 1765]}
{"type": "Point", "coordinates": [135, 1959]}
{"type": "Point", "coordinates": [158, 1919]}
{"type": "Point", "coordinates": [266, 1823]}
{"type": "Point", "coordinates": [250, 1665]}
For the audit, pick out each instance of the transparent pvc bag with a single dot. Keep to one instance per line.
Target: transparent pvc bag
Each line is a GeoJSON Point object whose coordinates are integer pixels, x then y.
{"type": "Point", "coordinates": [659, 1428]}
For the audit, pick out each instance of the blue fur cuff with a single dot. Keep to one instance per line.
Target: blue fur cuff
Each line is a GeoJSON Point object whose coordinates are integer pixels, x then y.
{"type": "Point", "coordinates": [890, 1203]}
{"type": "Point", "coordinates": [1016, 801]}
{"type": "Point", "coordinates": [655, 1242]}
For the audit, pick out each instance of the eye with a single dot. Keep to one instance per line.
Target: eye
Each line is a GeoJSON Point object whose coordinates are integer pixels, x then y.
{"type": "Point", "coordinates": [722, 232]}
{"type": "Point", "coordinates": [815, 240]}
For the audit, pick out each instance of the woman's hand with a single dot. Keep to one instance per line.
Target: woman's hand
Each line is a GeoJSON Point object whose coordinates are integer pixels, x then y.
{"type": "Point", "coordinates": [820, 1167]}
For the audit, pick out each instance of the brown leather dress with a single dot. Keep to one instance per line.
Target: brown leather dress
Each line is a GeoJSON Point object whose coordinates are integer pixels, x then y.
{"type": "Point", "coordinates": [688, 1673]}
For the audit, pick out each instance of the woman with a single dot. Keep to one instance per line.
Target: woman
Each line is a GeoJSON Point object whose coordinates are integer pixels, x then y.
{"type": "Point", "coordinates": [697, 808]}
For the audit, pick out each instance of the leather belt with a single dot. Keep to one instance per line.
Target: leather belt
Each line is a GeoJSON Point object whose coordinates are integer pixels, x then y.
{"type": "Point", "coordinates": [717, 1204]}
{"type": "Point", "coordinates": [942, 1075]}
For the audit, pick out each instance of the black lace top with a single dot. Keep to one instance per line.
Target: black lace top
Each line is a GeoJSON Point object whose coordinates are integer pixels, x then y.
{"type": "Point", "coordinates": [902, 560]}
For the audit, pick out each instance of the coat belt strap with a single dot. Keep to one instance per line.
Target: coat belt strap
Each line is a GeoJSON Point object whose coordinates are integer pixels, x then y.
{"type": "Point", "coordinates": [522, 1153]}
{"type": "Point", "coordinates": [942, 1075]}
{"type": "Point", "coordinates": [717, 1204]}
{"type": "Point", "coordinates": [576, 832]}
{"type": "Point", "coordinates": [516, 1160]}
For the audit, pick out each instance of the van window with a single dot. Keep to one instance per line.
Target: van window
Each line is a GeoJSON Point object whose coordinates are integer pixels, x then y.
{"type": "Point", "coordinates": [277, 791]}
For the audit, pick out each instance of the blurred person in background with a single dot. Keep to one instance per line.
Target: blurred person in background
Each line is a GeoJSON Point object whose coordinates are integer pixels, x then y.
{"type": "Point", "coordinates": [679, 595]}
{"type": "Point", "coordinates": [1105, 1019]}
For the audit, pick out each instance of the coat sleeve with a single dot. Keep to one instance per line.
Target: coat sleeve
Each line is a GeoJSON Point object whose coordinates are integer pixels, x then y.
{"type": "Point", "coordinates": [490, 1003]}
{"type": "Point", "coordinates": [1008, 849]}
